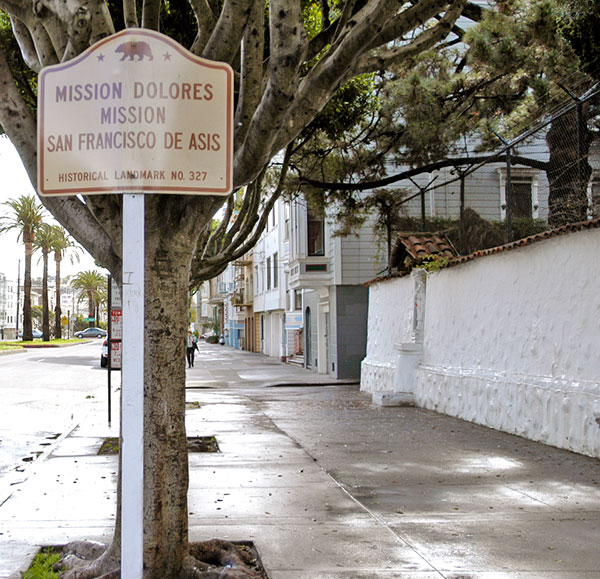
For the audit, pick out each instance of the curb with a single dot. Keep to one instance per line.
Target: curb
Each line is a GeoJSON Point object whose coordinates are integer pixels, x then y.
{"type": "Point", "coordinates": [17, 350]}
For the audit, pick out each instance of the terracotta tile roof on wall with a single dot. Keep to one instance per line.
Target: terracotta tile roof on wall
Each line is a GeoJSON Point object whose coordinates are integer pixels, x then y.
{"type": "Point", "coordinates": [422, 245]}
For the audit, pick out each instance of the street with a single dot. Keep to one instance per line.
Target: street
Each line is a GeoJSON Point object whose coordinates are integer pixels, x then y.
{"type": "Point", "coordinates": [44, 391]}
{"type": "Point", "coordinates": [325, 484]}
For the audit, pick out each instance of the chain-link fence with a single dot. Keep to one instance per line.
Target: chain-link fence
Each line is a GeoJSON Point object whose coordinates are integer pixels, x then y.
{"type": "Point", "coordinates": [546, 177]}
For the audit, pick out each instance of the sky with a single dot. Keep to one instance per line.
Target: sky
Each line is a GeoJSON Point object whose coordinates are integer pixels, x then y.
{"type": "Point", "coordinates": [14, 183]}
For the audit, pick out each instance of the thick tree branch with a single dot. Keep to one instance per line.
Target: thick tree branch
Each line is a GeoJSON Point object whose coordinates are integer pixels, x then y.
{"type": "Point", "coordinates": [251, 76]}
{"type": "Point", "coordinates": [248, 214]}
{"type": "Point", "coordinates": [224, 42]}
{"type": "Point", "coordinates": [55, 30]}
{"type": "Point", "coordinates": [423, 41]}
{"type": "Point", "coordinates": [216, 235]}
{"type": "Point", "coordinates": [409, 173]}
{"type": "Point", "coordinates": [211, 266]}
{"type": "Point", "coordinates": [130, 13]}
{"type": "Point", "coordinates": [30, 30]}
{"type": "Point", "coordinates": [410, 19]}
{"type": "Point", "coordinates": [243, 240]}
{"type": "Point", "coordinates": [342, 21]}
{"type": "Point", "coordinates": [26, 44]}
{"type": "Point", "coordinates": [336, 67]}
{"type": "Point", "coordinates": [288, 46]}
{"type": "Point", "coordinates": [151, 14]}
{"type": "Point", "coordinates": [15, 118]}
{"type": "Point", "coordinates": [79, 31]}
{"type": "Point", "coordinates": [206, 20]}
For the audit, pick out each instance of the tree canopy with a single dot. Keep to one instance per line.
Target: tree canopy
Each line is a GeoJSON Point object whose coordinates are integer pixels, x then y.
{"type": "Point", "coordinates": [457, 103]}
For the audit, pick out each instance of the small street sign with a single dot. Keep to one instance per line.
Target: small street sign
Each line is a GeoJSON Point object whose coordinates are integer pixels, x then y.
{"type": "Point", "coordinates": [115, 295]}
{"type": "Point", "coordinates": [116, 324]}
{"type": "Point", "coordinates": [115, 355]}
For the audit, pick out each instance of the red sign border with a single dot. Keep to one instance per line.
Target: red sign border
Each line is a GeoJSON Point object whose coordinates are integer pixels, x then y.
{"type": "Point", "coordinates": [225, 190]}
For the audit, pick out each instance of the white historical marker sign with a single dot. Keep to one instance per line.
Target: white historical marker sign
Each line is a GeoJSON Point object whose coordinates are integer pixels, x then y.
{"type": "Point", "coordinates": [136, 112]}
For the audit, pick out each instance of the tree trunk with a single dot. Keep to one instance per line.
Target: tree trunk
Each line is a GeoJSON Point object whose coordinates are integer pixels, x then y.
{"type": "Point", "coordinates": [90, 309]}
{"type": "Point", "coordinates": [168, 257]}
{"type": "Point", "coordinates": [57, 308]}
{"type": "Point", "coordinates": [568, 170]}
{"type": "Point", "coordinates": [27, 322]}
{"type": "Point", "coordinates": [165, 444]}
{"type": "Point", "coordinates": [45, 304]}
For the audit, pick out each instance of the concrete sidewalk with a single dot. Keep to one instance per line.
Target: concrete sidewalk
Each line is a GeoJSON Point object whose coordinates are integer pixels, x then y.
{"type": "Point", "coordinates": [328, 485]}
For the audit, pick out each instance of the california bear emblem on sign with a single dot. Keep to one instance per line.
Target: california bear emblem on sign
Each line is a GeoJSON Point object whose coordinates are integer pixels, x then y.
{"type": "Point", "coordinates": [133, 49]}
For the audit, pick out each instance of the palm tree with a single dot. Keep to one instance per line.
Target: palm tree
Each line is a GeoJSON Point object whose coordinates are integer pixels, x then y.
{"type": "Point", "coordinates": [43, 241]}
{"type": "Point", "coordinates": [61, 243]}
{"type": "Point", "coordinates": [26, 217]}
{"type": "Point", "coordinates": [93, 284]}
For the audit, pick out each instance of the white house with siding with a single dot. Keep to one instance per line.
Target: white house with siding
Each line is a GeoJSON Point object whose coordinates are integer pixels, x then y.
{"type": "Point", "coordinates": [330, 271]}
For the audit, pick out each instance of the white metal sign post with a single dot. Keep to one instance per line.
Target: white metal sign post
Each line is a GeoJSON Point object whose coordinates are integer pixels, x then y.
{"type": "Point", "coordinates": [135, 113]}
{"type": "Point", "coordinates": [132, 413]}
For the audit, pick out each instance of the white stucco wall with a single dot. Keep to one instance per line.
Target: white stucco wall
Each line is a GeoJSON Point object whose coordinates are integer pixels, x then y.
{"type": "Point", "coordinates": [390, 321]}
{"type": "Point", "coordinates": [511, 341]}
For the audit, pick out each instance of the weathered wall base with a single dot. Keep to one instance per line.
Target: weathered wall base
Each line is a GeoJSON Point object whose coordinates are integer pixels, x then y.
{"type": "Point", "coordinates": [549, 410]}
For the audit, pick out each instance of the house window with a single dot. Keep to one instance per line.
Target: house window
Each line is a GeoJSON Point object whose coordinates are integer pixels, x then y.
{"type": "Point", "coordinates": [524, 193]}
{"type": "Point", "coordinates": [297, 300]}
{"type": "Point", "coordinates": [268, 273]}
{"type": "Point", "coordinates": [257, 278]}
{"type": "Point", "coordinates": [275, 271]}
{"type": "Point", "coordinates": [286, 214]}
{"type": "Point", "coordinates": [520, 201]}
{"type": "Point", "coordinates": [316, 235]}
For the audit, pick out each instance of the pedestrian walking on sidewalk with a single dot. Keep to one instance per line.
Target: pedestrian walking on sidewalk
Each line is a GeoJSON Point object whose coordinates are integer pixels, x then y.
{"type": "Point", "coordinates": [191, 347]}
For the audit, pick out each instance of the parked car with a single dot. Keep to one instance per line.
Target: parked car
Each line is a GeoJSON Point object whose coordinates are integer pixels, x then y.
{"type": "Point", "coordinates": [104, 354]}
{"type": "Point", "coordinates": [36, 334]}
{"type": "Point", "coordinates": [91, 333]}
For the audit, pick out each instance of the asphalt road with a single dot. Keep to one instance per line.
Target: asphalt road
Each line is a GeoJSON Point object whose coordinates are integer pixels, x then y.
{"type": "Point", "coordinates": [42, 392]}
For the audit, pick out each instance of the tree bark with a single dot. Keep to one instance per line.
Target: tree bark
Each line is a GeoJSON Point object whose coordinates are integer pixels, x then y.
{"type": "Point", "coordinates": [57, 308]}
{"type": "Point", "coordinates": [45, 302]}
{"type": "Point", "coordinates": [27, 321]}
{"type": "Point", "coordinates": [165, 444]}
{"type": "Point", "coordinates": [90, 296]}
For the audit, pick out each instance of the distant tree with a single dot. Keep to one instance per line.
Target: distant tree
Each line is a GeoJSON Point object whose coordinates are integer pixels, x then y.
{"type": "Point", "coordinates": [25, 215]}
{"type": "Point", "coordinates": [92, 284]}
{"type": "Point", "coordinates": [62, 244]}
{"type": "Point", "coordinates": [43, 242]}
